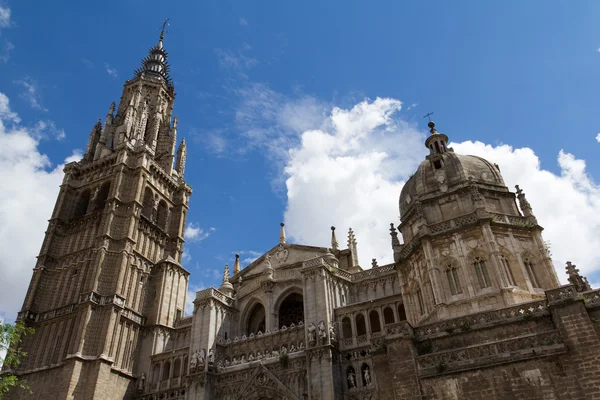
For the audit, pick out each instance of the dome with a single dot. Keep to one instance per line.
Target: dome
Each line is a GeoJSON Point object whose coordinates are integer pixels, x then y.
{"type": "Point", "coordinates": [455, 169]}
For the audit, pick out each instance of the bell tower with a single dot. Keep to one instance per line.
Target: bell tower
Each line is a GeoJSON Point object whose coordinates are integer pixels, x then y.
{"type": "Point", "coordinates": [108, 284]}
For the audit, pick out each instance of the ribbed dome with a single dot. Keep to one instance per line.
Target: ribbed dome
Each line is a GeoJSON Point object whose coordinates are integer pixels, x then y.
{"type": "Point", "coordinates": [456, 169]}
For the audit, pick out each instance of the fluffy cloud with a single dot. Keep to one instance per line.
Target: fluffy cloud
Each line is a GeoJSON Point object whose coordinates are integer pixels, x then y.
{"type": "Point", "coordinates": [31, 94]}
{"type": "Point", "coordinates": [598, 138]}
{"type": "Point", "coordinates": [5, 17]}
{"type": "Point", "coordinates": [110, 71]}
{"type": "Point", "coordinates": [194, 233]}
{"type": "Point", "coordinates": [29, 187]}
{"type": "Point", "coordinates": [349, 174]}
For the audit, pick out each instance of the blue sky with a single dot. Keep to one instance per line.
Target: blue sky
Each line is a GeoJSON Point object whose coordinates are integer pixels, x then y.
{"type": "Point", "coordinates": [251, 79]}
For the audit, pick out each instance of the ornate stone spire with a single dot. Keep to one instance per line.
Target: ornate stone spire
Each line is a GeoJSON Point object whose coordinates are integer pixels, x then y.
{"type": "Point", "coordinates": [282, 238]}
{"type": "Point", "coordinates": [374, 263]}
{"type": "Point", "coordinates": [236, 265]}
{"type": "Point", "coordinates": [93, 141]}
{"type": "Point", "coordinates": [352, 245]}
{"type": "Point", "coordinates": [181, 156]}
{"type": "Point", "coordinates": [580, 282]}
{"type": "Point", "coordinates": [226, 286]}
{"type": "Point", "coordinates": [523, 203]}
{"type": "Point", "coordinates": [155, 64]}
{"type": "Point", "coordinates": [334, 242]}
{"type": "Point", "coordinates": [394, 234]}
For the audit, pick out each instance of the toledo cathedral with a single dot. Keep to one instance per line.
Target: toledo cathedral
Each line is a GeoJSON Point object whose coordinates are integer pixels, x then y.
{"type": "Point", "coordinates": [471, 307]}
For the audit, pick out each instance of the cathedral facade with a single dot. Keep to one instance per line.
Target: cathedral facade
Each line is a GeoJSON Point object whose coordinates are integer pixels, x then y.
{"type": "Point", "coordinates": [470, 308]}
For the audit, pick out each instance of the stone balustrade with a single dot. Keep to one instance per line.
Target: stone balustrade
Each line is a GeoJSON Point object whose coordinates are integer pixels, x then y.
{"type": "Point", "coordinates": [374, 272]}
{"type": "Point", "coordinates": [481, 319]}
{"type": "Point", "coordinates": [524, 347]}
{"type": "Point", "coordinates": [261, 346]}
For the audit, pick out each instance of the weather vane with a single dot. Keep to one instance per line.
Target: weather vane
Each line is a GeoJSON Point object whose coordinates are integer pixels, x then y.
{"type": "Point", "coordinates": [428, 116]}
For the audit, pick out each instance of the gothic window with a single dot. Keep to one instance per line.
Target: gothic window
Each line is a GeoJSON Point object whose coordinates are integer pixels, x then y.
{"type": "Point", "coordinates": [148, 203]}
{"type": "Point", "coordinates": [291, 310]}
{"type": "Point", "coordinates": [162, 214]}
{"type": "Point", "coordinates": [361, 327]}
{"type": "Point", "coordinates": [507, 270]}
{"type": "Point", "coordinates": [401, 312]}
{"type": "Point", "coordinates": [346, 328]}
{"type": "Point", "coordinates": [388, 316]}
{"type": "Point", "coordinates": [166, 370]}
{"type": "Point", "coordinates": [420, 302]}
{"type": "Point", "coordinates": [374, 321]}
{"type": "Point", "coordinates": [185, 365]}
{"type": "Point", "coordinates": [177, 368]}
{"type": "Point", "coordinates": [453, 280]}
{"type": "Point", "coordinates": [155, 373]}
{"type": "Point", "coordinates": [531, 273]}
{"type": "Point", "coordinates": [102, 196]}
{"type": "Point", "coordinates": [82, 203]}
{"type": "Point", "coordinates": [256, 321]}
{"type": "Point", "coordinates": [482, 273]}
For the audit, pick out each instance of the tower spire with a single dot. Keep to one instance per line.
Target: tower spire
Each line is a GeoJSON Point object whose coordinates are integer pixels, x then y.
{"type": "Point", "coordinates": [282, 238]}
{"type": "Point", "coordinates": [236, 265]}
{"type": "Point", "coordinates": [155, 64]}
{"type": "Point", "coordinates": [334, 242]}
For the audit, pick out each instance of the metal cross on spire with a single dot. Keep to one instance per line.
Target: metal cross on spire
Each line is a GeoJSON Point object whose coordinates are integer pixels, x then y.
{"type": "Point", "coordinates": [164, 27]}
{"type": "Point", "coordinates": [428, 116]}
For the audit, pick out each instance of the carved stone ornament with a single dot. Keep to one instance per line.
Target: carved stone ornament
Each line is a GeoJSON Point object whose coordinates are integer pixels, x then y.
{"type": "Point", "coordinates": [281, 254]}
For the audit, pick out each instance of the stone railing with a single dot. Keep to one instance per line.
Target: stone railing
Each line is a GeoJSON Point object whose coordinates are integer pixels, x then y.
{"type": "Point", "coordinates": [481, 319]}
{"type": "Point", "coordinates": [133, 316]}
{"type": "Point", "coordinates": [395, 330]}
{"type": "Point", "coordinates": [185, 321]}
{"type": "Point", "coordinates": [591, 298]}
{"type": "Point", "coordinates": [510, 219]}
{"type": "Point", "coordinates": [401, 328]}
{"type": "Point", "coordinates": [212, 292]}
{"type": "Point", "coordinates": [491, 353]}
{"type": "Point", "coordinates": [562, 293]}
{"type": "Point", "coordinates": [373, 272]}
{"type": "Point", "coordinates": [260, 346]}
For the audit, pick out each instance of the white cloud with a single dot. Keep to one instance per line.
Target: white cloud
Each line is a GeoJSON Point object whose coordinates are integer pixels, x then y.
{"type": "Point", "coordinates": [87, 62]}
{"type": "Point", "coordinates": [251, 256]}
{"type": "Point", "coordinates": [7, 48]}
{"type": "Point", "coordinates": [194, 233]}
{"type": "Point", "coordinates": [238, 62]}
{"type": "Point", "coordinates": [29, 186]}
{"type": "Point", "coordinates": [598, 138]}
{"type": "Point", "coordinates": [5, 13]}
{"type": "Point", "coordinates": [111, 71]}
{"type": "Point", "coordinates": [243, 21]}
{"type": "Point", "coordinates": [31, 94]}
{"type": "Point", "coordinates": [349, 174]}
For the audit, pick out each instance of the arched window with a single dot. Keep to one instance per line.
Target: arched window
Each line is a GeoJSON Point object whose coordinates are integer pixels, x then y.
{"type": "Point", "coordinates": [82, 203]}
{"type": "Point", "coordinates": [508, 270]}
{"type": "Point", "coordinates": [401, 312]}
{"type": "Point", "coordinates": [388, 316]}
{"type": "Point", "coordinates": [361, 327]}
{"type": "Point", "coordinates": [166, 370]}
{"type": "Point", "coordinates": [482, 273]}
{"type": "Point", "coordinates": [420, 303]}
{"type": "Point", "coordinates": [148, 203]}
{"type": "Point", "coordinates": [177, 368]}
{"type": "Point", "coordinates": [102, 196]}
{"type": "Point", "coordinates": [162, 214]}
{"type": "Point", "coordinates": [531, 273]}
{"type": "Point", "coordinates": [346, 328]}
{"type": "Point", "coordinates": [155, 373]}
{"type": "Point", "coordinates": [256, 320]}
{"type": "Point", "coordinates": [453, 281]}
{"type": "Point", "coordinates": [291, 310]}
{"type": "Point", "coordinates": [374, 321]}
{"type": "Point", "coordinates": [185, 365]}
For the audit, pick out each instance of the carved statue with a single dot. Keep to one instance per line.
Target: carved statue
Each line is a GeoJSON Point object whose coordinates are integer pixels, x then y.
{"type": "Point", "coordinates": [292, 348]}
{"type": "Point", "coordinates": [351, 379]}
{"type": "Point", "coordinates": [332, 332]}
{"type": "Point", "coordinates": [211, 357]}
{"type": "Point", "coordinates": [268, 260]}
{"type": "Point", "coordinates": [227, 362]}
{"type": "Point", "coordinates": [235, 361]}
{"type": "Point", "coordinates": [312, 335]}
{"type": "Point", "coordinates": [243, 360]}
{"type": "Point", "coordinates": [322, 333]}
{"type": "Point", "coordinates": [301, 346]}
{"type": "Point", "coordinates": [201, 358]}
{"type": "Point", "coordinates": [367, 376]}
{"type": "Point", "coordinates": [284, 350]}
{"type": "Point", "coordinates": [194, 361]}
{"type": "Point", "coordinates": [250, 357]}
{"type": "Point", "coordinates": [141, 382]}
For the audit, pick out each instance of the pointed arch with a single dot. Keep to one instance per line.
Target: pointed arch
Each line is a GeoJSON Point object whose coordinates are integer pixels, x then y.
{"type": "Point", "coordinates": [102, 196]}
{"type": "Point", "coordinates": [148, 203]}
{"type": "Point", "coordinates": [82, 203]}
{"type": "Point", "coordinates": [507, 262]}
{"type": "Point", "coordinates": [374, 321]}
{"type": "Point", "coordinates": [361, 326]}
{"type": "Point", "coordinates": [290, 309]}
{"type": "Point", "coordinates": [162, 214]}
{"type": "Point", "coordinates": [388, 316]}
{"type": "Point", "coordinates": [254, 317]}
{"type": "Point", "coordinates": [479, 260]}
{"type": "Point", "coordinates": [346, 328]}
{"type": "Point", "coordinates": [530, 262]}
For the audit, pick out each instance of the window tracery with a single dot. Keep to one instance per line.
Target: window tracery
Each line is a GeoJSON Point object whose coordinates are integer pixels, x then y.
{"type": "Point", "coordinates": [482, 273]}
{"type": "Point", "coordinates": [453, 279]}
